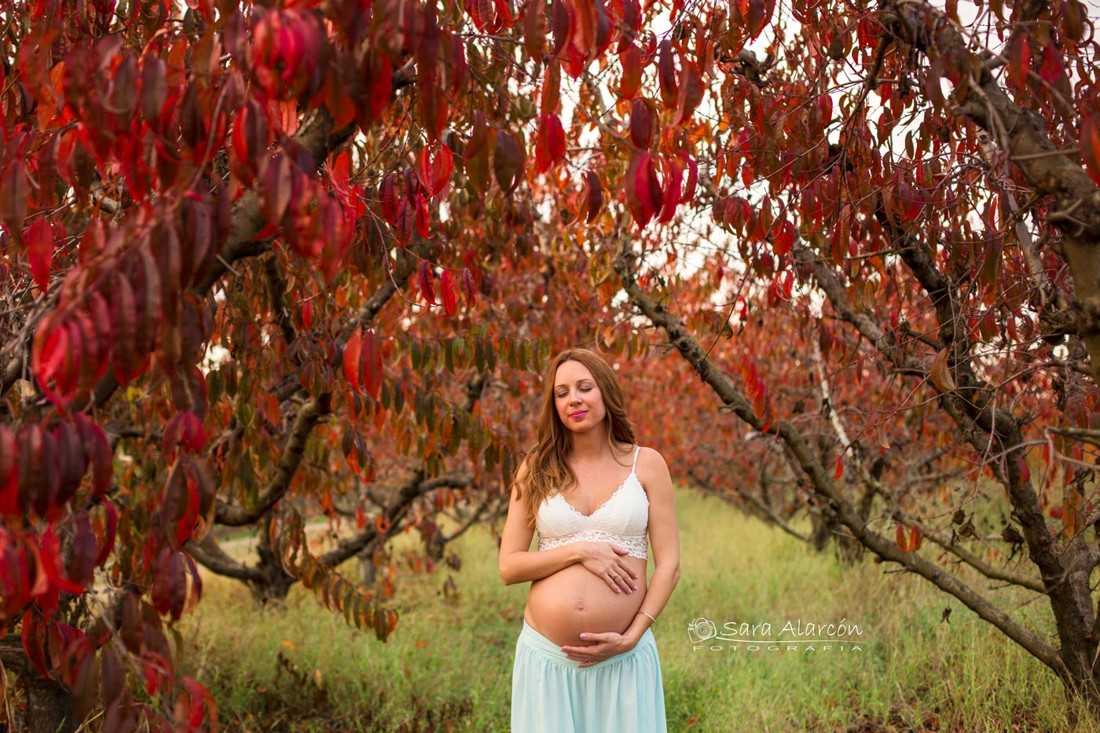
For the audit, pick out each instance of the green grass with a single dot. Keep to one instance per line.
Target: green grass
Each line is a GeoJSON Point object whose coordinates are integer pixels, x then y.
{"type": "Point", "coordinates": [448, 665]}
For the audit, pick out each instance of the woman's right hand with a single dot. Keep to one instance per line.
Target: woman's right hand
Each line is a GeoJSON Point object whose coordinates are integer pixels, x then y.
{"type": "Point", "coordinates": [605, 560]}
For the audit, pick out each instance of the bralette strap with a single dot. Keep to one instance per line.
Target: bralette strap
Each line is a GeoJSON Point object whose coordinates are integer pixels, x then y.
{"type": "Point", "coordinates": [635, 466]}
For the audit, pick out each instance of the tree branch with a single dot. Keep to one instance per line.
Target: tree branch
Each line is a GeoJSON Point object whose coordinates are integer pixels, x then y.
{"type": "Point", "coordinates": [310, 414]}
{"type": "Point", "coordinates": [213, 558]}
{"type": "Point", "coordinates": [823, 484]}
{"type": "Point", "coordinates": [1023, 134]}
{"type": "Point", "coordinates": [753, 501]}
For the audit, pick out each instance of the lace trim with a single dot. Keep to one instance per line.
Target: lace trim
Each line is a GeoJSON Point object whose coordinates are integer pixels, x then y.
{"type": "Point", "coordinates": [609, 500]}
{"type": "Point", "coordinates": [635, 546]}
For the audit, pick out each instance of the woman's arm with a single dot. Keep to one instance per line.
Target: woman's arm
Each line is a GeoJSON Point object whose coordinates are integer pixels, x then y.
{"type": "Point", "coordinates": [519, 565]}
{"type": "Point", "coordinates": [664, 537]}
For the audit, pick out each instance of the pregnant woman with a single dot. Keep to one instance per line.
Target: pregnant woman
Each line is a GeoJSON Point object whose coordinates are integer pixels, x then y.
{"type": "Point", "coordinates": [585, 660]}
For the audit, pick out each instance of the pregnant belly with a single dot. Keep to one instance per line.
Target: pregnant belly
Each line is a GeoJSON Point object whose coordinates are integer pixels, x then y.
{"type": "Point", "coordinates": [573, 600]}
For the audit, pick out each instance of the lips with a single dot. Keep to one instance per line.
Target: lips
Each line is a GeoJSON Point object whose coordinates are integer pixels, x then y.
{"type": "Point", "coordinates": [578, 414]}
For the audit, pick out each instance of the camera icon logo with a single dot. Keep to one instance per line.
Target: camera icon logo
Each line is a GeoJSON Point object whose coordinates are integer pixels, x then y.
{"type": "Point", "coordinates": [701, 629]}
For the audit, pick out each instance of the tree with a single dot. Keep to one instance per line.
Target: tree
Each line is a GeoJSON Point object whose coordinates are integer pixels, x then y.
{"type": "Point", "coordinates": [917, 188]}
{"type": "Point", "coordinates": [256, 254]}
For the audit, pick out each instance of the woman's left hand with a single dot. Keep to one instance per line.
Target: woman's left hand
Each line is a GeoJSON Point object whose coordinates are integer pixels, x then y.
{"type": "Point", "coordinates": [598, 648]}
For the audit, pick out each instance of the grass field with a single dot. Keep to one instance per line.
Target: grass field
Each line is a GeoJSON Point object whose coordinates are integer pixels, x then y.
{"type": "Point", "coordinates": [448, 665]}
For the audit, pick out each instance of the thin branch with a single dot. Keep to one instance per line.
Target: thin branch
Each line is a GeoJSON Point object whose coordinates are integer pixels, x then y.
{"type": "Point", "coordinates": [310, 414]}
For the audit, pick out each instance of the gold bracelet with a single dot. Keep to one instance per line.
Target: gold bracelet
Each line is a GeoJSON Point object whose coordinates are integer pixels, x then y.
{"type": "Point", "coordinates": [651, 618]}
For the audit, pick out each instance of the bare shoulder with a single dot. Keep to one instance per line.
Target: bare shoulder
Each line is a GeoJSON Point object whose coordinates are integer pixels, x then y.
{"type": "Point", "coordinates": [650, 457]}
{"type": "Point", "coordinates": [651, 465]}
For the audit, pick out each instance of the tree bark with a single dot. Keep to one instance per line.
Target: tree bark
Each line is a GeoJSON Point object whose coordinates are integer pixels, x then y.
{"type": "Point", "coordinates": [49, 704]}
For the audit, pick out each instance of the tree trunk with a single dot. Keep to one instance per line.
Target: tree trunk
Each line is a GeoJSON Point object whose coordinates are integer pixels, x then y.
{"type": "Point", "coordinates": [49, 703]}
{"type": "Point", "coordinates": [273, 584]}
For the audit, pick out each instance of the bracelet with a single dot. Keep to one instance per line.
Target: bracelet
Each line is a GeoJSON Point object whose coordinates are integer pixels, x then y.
{"type": "Point", "coordinates": [652, 620]}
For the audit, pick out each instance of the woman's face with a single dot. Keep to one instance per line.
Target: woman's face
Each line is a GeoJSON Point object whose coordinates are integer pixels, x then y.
{"type": "Point", "coordinates": [577, 398]}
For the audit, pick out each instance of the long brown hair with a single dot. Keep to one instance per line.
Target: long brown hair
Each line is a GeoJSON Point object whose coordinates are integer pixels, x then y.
{"type": "Point", "coordinates": [545, 469]}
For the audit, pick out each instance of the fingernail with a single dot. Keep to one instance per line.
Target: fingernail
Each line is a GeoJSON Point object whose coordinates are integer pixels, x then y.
{"type": "Point", "coordinates": [584, 636]}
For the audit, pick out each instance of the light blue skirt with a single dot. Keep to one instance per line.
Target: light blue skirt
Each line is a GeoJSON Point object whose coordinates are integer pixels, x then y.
{"type": "Point", "coordinates": [553, 694]}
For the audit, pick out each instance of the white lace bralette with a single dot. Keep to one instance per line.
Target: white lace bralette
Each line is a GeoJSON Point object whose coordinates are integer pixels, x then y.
{"type": "Point", "coordinates": [621, 520]}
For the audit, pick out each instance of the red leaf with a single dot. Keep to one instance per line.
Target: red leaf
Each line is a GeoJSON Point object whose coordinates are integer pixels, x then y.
{"type": "Point", "coordinates": [450, 297]}
{"type": "Point", "coordinates": [433, 105]}
{"type": "Point", "coordinates": [387, 193]}
{"type": "Point", "coordinates": [276, 187]}
{"type": "Point", "coordinates": [184, 428]}
{"type": "Point", "coordinates": [381, 84]}
{"type": "Point", "coordinates": [97, 453]}
{"type": "Point", "coordinates": [666, 75]}
{"type": "Point", "coordinates": [468, 289]}
{"type": "Point", "coordinates": [371, 363]}
{"type": "Point", "coordinates": [424, 277]}
{"type": "Point", "coordinates": [456, 55]}
{"type": "Point", "coordinates": [154, 88]}
{"type": "Point", "coordinates": [508, 162]}
{"type": "Point", "coordinates": [534, 27]}
{"type": "Point", "coordinates": [643, 192]}
{"type": "Point", "coordinates": [52, 564]}
{"type": "Point", "coordinates": [641, 124]}
{"type": "Point", "coordinates": [560, 24]}
{"type": "Point", "coordinates": [39, 239]}
{"type": "Point", "coordinates": [434, 170]}
{"type": "Point", "coordinates": [423, 216]}
{"type": "Point", "coordinates": [756, 15]}
{"type": "Point", "coordinates": [839, 468]}
{"type": "Point", "coordinates": [557, 139]}
{"type": "Point", "coordinates": [198, 695]}
{"type": "Point", "coordinates": [693, 178]}
{"type": "Point", "coordinates": [249, 142]}
{"type": "Point", "coordinates": [584, 27]}
{"type": "Point", "coordinates": [784, 237]}
{"type": "Point", "coordinates": [940, 373]}
{"type": "Point", "coordinates": [9, 473]}
{"type": "Point", "coordinates": [84, 552]}
{"type": "Point", "coordinates": [550, 146]}
{"type": "Point", "coordinates": [550, 97]}
{"type": "Point", "coordinates": [111, 525]}
{"type": "Point", "coordinates": [307, 313]}
{"type": "Point", "coordinates": [406, 220]}
{"type": "Point", "coordinates": [33, 635]}
{"type": "Point", "coordinates": [631, 60]}
{"type": "Point", "coordinates": [169, 593]}
{"type": "Point", "coordinates": [49, 352]}
{"type": "Point", "coordinates": [1090, 147]}
{"type": "Point", "coordinates": [674, 176]}
{"type": "Point", "coordinates": [14, 191]}
{"type": "Point", "coordinates": [594, 195]}
{"type": "Point", "coordinates": [1052, 67]}
{"type": "Point", "coordinates": [352, 353]}
{"type": "Point", "coordinates": [690, 93]}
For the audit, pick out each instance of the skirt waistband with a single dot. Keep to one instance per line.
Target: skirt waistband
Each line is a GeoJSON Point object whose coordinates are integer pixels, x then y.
{"type": "Point", "coordinates": [547, 648]}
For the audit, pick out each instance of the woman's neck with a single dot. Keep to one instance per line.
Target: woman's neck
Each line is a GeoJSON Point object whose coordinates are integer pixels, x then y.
{"type": "Point", "coordinates": [590, 446]}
